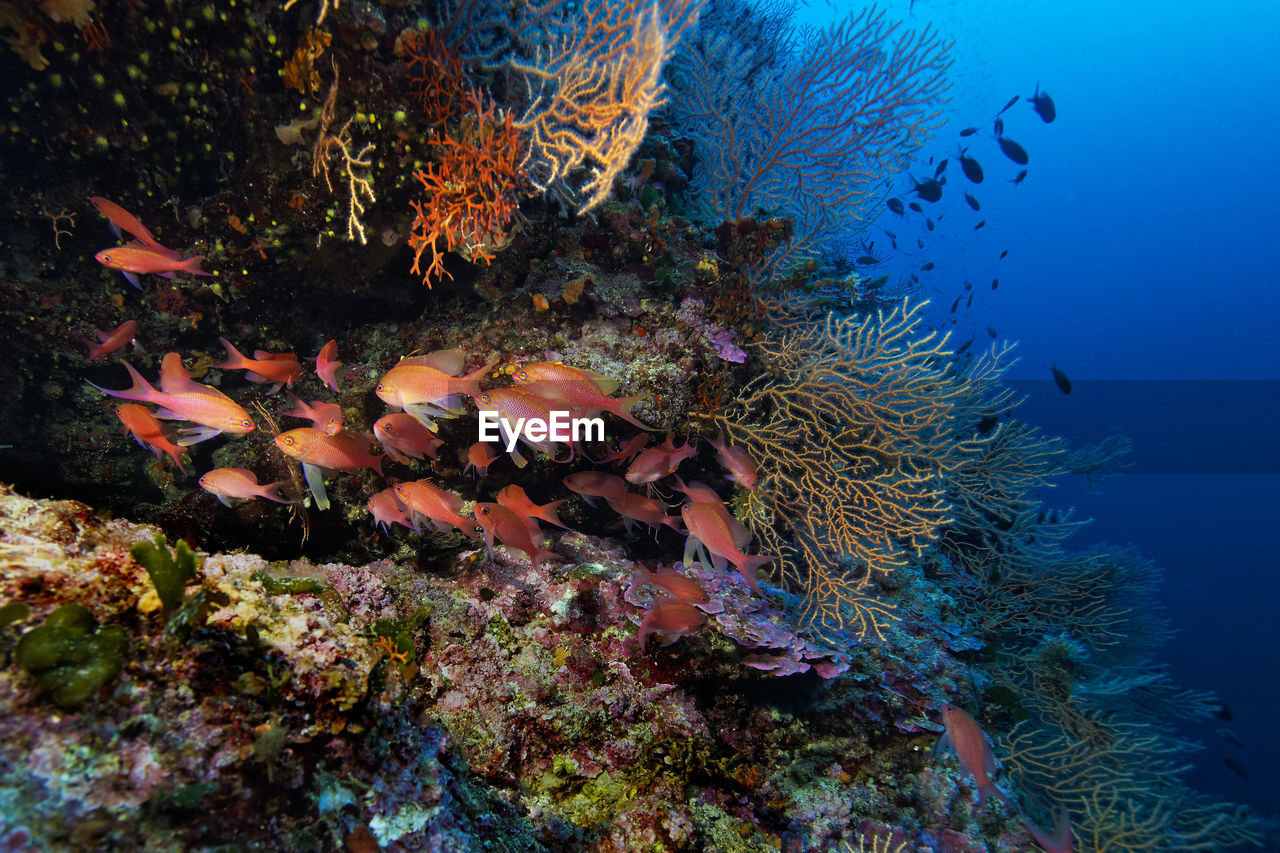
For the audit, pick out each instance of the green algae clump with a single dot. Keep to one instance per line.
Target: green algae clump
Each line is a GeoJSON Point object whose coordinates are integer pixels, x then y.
{"type": "Point", "coordinates": [70, 656]}
{"type": "Point", "coordinates": [169, 573]}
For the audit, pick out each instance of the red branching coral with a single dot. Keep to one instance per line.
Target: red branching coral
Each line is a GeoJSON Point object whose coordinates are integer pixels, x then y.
{"type": "Point", "coordinates": [435, 75]}
{"type": "Point", "coordinates": [471, 191]}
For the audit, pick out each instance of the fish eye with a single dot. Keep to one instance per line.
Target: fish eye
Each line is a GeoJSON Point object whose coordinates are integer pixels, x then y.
{"type": "Point", "coordinates": [484, 398]}
{"type": "Point", "coordinates": [378, 390]}
{"type": "Point", "coordinates": [287, 439]}
{"type": "Point", "coordinates": [107, 257]}
{"type": "Point", "coordinates": [523, 375]}
{"type": "Point", "coordinates": [484, 510]}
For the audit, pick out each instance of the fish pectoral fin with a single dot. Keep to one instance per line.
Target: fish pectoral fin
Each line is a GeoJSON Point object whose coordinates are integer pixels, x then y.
{"type": "Point", "coordinates": [194, 435]}
{"type": "Point", "coordinates": [315, 482]}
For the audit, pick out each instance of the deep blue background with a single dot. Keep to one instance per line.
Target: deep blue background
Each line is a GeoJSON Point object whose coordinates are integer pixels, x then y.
{"type": "Point", "coordinates": [1142, 246]}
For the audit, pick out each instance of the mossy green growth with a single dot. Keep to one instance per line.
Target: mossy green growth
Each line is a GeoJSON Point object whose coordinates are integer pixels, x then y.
{"type": "Point", "coordinates": [14, 611]}
{"type": "Point", "coordinates": [70, 656]}
{"type": "Point", "coordinates": [287, 586]}
{"type": "Point", "coordinates": [169, 572]}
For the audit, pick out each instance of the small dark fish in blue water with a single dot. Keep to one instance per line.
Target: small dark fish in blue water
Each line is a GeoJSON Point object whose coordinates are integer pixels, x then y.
{"type": "Point", "coordinates": [969, 302]}
{"type": "Point", "coordinates": [927, 265]}
{"type": "Point", "coordinates": [1013, 150]}
{"type": "Point", "coordinates": [956, 304]}
{"type": "Point", "coordinates": [972, 202]}
{"type": "Point", "coordinates": [878, 282]}
{"type": "Point", "coordinates": [1043, 105]}
{"type": "Point", "coordinates": [867, 260]}
{"type": "Point", "coordinates": [915, 279]}
{"type": "Point", "coordinates": [915, 205]}
{"type": "Point", "coordinates": [928, 189]}
{"type": "Point", "coordinates": [920, 242]}
{"type": "Point", "coordinates": [1223, 712]}
{"type": "Point", "coordinates": [991, 332]}
{"type": "Point", "coordinates": [969, 131]}
{"type": "Point", "coordinates": [1060, 379]}
{"type": "Point", "coordinates": [1004, 254]}
{"type": "Point", "coordinates": [1230, 736]}
{"type": "Point", "coordinates": [1019, 178]}
{"type": "Point", "coordinates": [964, 346]}
{"type": "Point", "coordinates": [998, 127]}
{"type": "Point", "coordinates": [1012, 101]}
{"type": "Point", "coordinates": [1237, 768]}
{"type": "Point", "coordinates": [942, 167]}
{"type": "Point", "coordinates": [968, 285]}
{"type": "Point", "coordinates": [893, 243]}
{"type": "Point", "coordinates": [995, 284]}
{"type": "Point", "coordinates": [980, 224]}
{"type": "Point", "coordinates": [928, 223]}
{"type": "Point", "coordinates": [972, 168]}
{"type": "Point", "coordinates": [890, 234]}
{"type": "Point", "coordinates": [895, 204]}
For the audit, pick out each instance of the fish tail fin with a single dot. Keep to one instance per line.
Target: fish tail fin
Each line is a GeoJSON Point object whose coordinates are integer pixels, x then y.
{"type": "Point", "coordinates": [95, 349]}
{"type": "Point", "coordinates": [275, 492]}
{"type": "Point", "coordinates": [470, 384]}
{"type": "Point", "coordinates": [192, 265]}
{"type": "Point", "coordinates": [235, 359]}
{"type": "Point", "coordinates": [623, 410]}
{"type": "Point", "coordinates": [141, 389]}
{"type": "Point", "coordinates": [750, 568]}
{"type": "Point", "coordinates": [547, 512]}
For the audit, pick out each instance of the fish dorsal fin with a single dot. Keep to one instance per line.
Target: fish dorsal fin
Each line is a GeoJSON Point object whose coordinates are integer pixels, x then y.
{"type": "Point", "coordinates": [449, 499]}
{"type": "Point", "coordinates": [606, 384]}
{"type": "Point", "coordinates": [174, 378]}
{"type": "Point", "coordinates": [448, 361]}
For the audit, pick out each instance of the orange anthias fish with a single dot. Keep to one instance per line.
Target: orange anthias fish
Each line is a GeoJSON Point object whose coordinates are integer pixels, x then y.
{"type": "Point", "coordinates": [502, 525]}
{"type": "Point", "coordinates": [685, 588]}
{"type": "Point", "coordinates": [965, 740]}
{"type": "Point", "coordinates": [479, 459]}
{"type": "Point", "coordinates": [387, 510]}
{"type": "Point", "coordinates": [701, 493]}
{"type": "Point", "coordinates": [182, 398]}
{"type": "Point", "coordinates": [442, 508]}
{"type": "Point", "coordinates": [327, 365]}
{"type": "Point", "coordinates": [429, 386]}
{"type": "Point", "coordinates": [404, 438]}
{"type": "Point", "coordinates": [597, 484]}
{"type": "Point", "coordinates": [123, 220]}
{"type": "Point", "coordinates": [741, 467]}
{"type": "Point", "coordinates": [226, 483]}
{"type": "Point", "coordinates": [633, 508]}
{"type": "Point", "coordinates": [514, 498]}
{"type": "Point", "coordinates": [671, 618]}
{"type": "Point", "coordinates": [657, 462]}
{"type": "Point", "coordinates": [708, 531]}
{"type": "Point", "coordinates": [1060, 840]}
{"type": "Point", "coordinates": [276, 368]}
{"type": "Point", "coordinates": [318, 451]}
{"type": "Point", "coordinates": [326, 416]}
{"type": "Point", "coordinates": [512, 405]}
{"type": "Point", "coordinates": [138, 259]}
{"type": "Point", "coordinates": [109, 342]}
{"type": "Point", "coordinates": [148, 432]}
{"type": "Point", "coordinates": [577, 389]}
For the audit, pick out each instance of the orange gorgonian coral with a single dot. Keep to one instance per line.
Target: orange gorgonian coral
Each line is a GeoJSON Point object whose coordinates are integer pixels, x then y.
{"type": "Point", "coordinates": [471, 191]}
{"type": "Point", "coordinates": [434, 70]}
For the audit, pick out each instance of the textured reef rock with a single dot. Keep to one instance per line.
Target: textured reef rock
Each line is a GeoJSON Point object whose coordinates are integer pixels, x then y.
{"type": "Point", "coordinates": [490, 705]}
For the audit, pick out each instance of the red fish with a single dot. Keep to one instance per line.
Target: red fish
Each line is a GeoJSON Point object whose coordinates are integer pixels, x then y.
{"type": "Point", "coordinates": [276, 368]}
{"type": "Point", "coordinates": [429, 386]}
{"type": "Point", "coordinates": [326, 416]}
{"type": "Point", "coordinates": [597, 484]}
{"type": "Point", "coordinates": [502, 525]}
{"type": "Point", "coordinates": [628, 451]}
{"type": "Point", "coordinates": [109, 342]}
{"type": "Point", "coordinates": [965, 740]}
{"type": "Point", "coordinates": [515, 405]}
{"type": "Point", "coordinates": [578, 389]}
{"type": "Point", "coordinates": [404, 438]}
{"type": "Point", "coordinates": [123, 220]}
{"type": "Point", "coordinates": [685, 588]}
{"type": "Point", "coordinates": [318, 451]}
{"type": "Point", "coordinates": [182, 398]}
{"type": "Point", "coordinates": [708, 530]}
{"type": "Point", "coordinates": [148, 432]}
{"type": "Point", "coordinates": [327, 365]}
{"type": "Point", "coordinates": [671, 618]}
{"type": "Point", "coordinates": [227, 483]}
{"type": "Point", "coordinates": [645, 510]}
{"type": "Point", "coordinates": [741, 467]}
{"type": "Point", "coordinates": [1059, 841]}
{"type": "Point", "coordinates": [387, 510]}
{"type": "Point", "coordinates": [479, 460]}
{"type": "Point", "coordinates": [657, 462]}
{"type": "Point", "coordinates": [442, 508]}
{"type": "Point", "coordinates": [139, 259]}
{"type": "Point", "coordinates": [700, 493]}
{"type": "Point", "coordinates": [514, 499]}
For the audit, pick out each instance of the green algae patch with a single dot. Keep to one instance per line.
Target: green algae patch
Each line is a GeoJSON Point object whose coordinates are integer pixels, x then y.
{"type": "Point", "coordinates": [70, 656]}
{"type": "Point", "coordinates": [169, 571]}
{"type": "Point", "coordinates": [287, 586]}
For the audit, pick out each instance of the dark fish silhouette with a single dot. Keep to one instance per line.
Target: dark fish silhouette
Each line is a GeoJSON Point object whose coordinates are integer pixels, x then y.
{"type": "Point", "coordinates": [991, 332]}
{"type": "Point", "coordinates": [942, 167]}
{"type": "Point", "coordinates": [995, 283]}
{"type": "Point", "coordinates": [998, 127]}
{"type": "Point", "coordinates": [1223, 711]}
{"type": "Point", "coordinates": [1012, 101]}
{"type": "Point", "coordinates": [1230, 737]}
{"type": "Point", "coordinates": [895, 204]}
{"type": "Point", "coordinates": [867, 260]}
{"type": "Point", "coordinates": [968, 285]}
{"type": "Point", "coordinates": [969, 131]}
{"type": "Point", "coordinates": [929, 189]}
{"type": "Point", "coordinates": [928, 223]}
{"type": "Point", "coordinates": [890, 234]}
{"type": "Point", "coordinates": [878, 282]}
{"type": "Point", "coordinates": [1237, 768]}
{"type": "Point", "coordinates": [927, 265]}
{"type": "Point", "coordinates": [972, 168]}
{"type": "Point", "coordinates": [1060, 379]}
{"type": "Point", "coordinates": [915, 205]}
{"type": "Point", "coordinates": [1012, 150]}
{"type": "Point", "coordinates": [1019, 178]}
{"type": "Point", "coordinates": [973, 202]}
{"type": "Point", "coordinates": [919, 242]}
{"type": "Point", "coordinates": [966, 345]}
{"type": "Point", "coordinates": [1004, 254]}
{"type": "Point", "coordinates": [956, 304]}
{"type": "Point", "coordinates": [969, 302]}
{"type": "Point", "coordinates": [894, 243]}
{"type": "Point", "coordinates": [1043, 105]}
{"type": "Point", "coordinates": [980, 224]}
